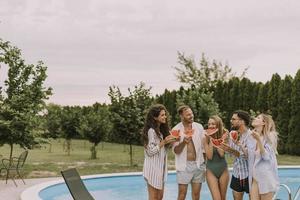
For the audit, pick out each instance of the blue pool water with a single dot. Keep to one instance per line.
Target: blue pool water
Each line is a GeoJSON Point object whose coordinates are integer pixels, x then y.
{"type": "Point", "coordinates": [134, 188]}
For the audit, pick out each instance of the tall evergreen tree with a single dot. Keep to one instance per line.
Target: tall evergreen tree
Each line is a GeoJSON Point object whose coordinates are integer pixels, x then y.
{"type": "Point", "coordinates": [254, 96]}
{"type": "Point", "coordinates": [273, 95]}
{"type": "Point", "coordinates": [234, 94]}
{"type": "Point", "coordinates": [246, 92]}
{"type": "Point", "coordinates": [284, 112]}
{"type": "Point", "coordinates": [168, 99]}
{"type": "Point", "coordinates": [262, 98]}
{"type": "Point", "coordinates": [227, 105]}
{"type": "Point", "coordinates": [294, 126]}
{"type": "Point", "coordinates": [220, 96]}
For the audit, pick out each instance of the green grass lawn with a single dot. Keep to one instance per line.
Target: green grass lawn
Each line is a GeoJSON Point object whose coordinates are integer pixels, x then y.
{"type": "Point", "coordinates": [112, 158]}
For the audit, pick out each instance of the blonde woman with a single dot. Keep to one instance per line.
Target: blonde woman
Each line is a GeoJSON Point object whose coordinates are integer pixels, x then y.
{"type": "Point", "coordinates": [263, 174]}
{"type": "Point", "coordinates": [217, 174]}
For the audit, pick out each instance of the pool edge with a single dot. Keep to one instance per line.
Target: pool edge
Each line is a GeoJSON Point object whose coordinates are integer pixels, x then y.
{"type": "Point", "coordinates": [32, 193]}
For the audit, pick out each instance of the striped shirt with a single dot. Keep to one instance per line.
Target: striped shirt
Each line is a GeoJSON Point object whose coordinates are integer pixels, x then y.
{"type": "Point", "coordinates": [240, 164]}
{"type": "Point", "coordinates": [155, 163]}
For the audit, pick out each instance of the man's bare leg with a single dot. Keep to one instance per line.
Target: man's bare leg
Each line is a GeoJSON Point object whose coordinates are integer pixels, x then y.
{"type": "Point", "coordinates": [237, 195]}
{"type": "Point", "coordinates": [182, 189]}
{"type": "Point", "coordinates": [196, 187]}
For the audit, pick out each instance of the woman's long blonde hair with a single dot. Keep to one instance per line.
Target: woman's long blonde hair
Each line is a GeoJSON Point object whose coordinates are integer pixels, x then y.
{"type": "Point", "coordinates": [219, 125]}
{"type": "Point", "coordinates": [269, 131]}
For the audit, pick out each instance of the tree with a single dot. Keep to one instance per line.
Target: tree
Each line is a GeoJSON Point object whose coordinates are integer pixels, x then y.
{"type": "Point", "coordinates": [22, 97]}
{"type": "Point", "coordinates": [254, 97]}
{"type": "Point", "coordinates": [273, 95]}
{"type": "Point", "coordinates": [284, 112]}
{"type": "Point", "coordinates": [70, 125]}
{"type": "Point", "coordinates": [230, 97]}
{"type": "Point", "coordinates": [246, 94]}
{"type": "Point", "coordinates": [168, 99]}
{"type": "Point", "coordinates": [262, 98]}
{"type": "Point", "coordinates": [202, 104]}
{"type": "Point", "coordinates": [234, 95]}
{"type": "Point", "coordinates": [53, 123]}
{"type": "Point", "coordinates": [94, 125]}
{"type": "Point", "coordinates": [294, 125]}
{"type": "Point", "coordinates": [127, 114]}
{"type": "Point", "coordinates": [204, 76]}
{"type": "Point", "coordinates": [142, 96]}
{"type": "Point", "coordinates": [222, 97]}
{"type": "Point", "coordinates": [219, 95]}
{"type": "Point", "coordinates": [53, 118]}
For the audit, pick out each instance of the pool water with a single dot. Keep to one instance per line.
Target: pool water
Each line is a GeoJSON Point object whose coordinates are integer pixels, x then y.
{"type": "Point", "coordinates": [134, 188]}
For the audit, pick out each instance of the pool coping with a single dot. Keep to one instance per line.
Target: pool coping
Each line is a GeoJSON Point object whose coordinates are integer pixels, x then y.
{"type": "Point", "coordinates": [32, 193]}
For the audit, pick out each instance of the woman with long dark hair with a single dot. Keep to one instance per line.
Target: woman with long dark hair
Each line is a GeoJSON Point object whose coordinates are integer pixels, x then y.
{"type": "Point", "coordinates": [155, 138]}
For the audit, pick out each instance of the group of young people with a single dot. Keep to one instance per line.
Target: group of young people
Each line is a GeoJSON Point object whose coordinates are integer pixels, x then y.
{"type": "Point", "coordinates": [199, 158]}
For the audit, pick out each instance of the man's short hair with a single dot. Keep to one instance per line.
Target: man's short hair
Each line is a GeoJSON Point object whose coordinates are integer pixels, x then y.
{"type": "Point", "coordinates": [182, 108]}
{"type": "Point", "coordinates": [243, 115]}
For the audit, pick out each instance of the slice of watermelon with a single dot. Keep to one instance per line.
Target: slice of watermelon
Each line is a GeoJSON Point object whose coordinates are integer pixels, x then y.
{"type": "Point", "coordinates": [217, 142]}
{"type": "Point", "coordinates": [189, 133]}
{"type": "Point", "coordinates": [234, 135]}
{"type": "Point", "coordinates": [175, 133]}
{"type": "Point", "coordinates": [211, 131]}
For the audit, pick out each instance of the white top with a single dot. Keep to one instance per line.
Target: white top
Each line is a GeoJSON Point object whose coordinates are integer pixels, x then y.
{"type": "Point", "coordinates": [180, 159]}
{"type": "Point", "coordinates": [155, 168]}
{"type": "Point", "coordinates": [263, 168]}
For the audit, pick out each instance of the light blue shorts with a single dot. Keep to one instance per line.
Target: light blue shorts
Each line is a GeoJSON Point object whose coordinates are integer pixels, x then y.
{"type": "Point", "coordinates": [192, 173]}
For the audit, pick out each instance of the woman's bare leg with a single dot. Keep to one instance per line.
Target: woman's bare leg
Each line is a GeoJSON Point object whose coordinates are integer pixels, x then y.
{"type": "Point", "coordinates": [223, 184]}
{"type": "Point", "coordinates": [267, 196]}
{"type": "Point", "coordinates": [213, 185]}
{"type": "Point", "coordinates": [160, 194]}
{"type": "Point", "coordinates": [152, 193]}
{"type": "Point", "coordinates": [254, 194]}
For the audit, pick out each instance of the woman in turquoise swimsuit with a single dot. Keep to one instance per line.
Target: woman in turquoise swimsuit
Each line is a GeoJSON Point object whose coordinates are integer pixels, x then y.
{"type": "Point", "coordinates": [217, 174]}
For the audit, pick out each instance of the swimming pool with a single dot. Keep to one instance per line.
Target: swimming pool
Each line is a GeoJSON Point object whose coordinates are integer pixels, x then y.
{"type": "Point", "coordinates": [132, 186]}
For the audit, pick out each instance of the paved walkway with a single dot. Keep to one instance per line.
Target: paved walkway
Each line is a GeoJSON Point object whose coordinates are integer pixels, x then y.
{"type": "Point", "coordinates": [10, 192]}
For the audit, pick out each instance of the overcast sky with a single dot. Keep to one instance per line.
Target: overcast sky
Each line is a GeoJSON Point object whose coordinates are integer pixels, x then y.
{"type": "Point", "coordinates": [92, 44]}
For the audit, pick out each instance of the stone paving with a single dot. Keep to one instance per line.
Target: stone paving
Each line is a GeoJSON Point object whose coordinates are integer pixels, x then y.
{"type": "Point", "coordinates": [10, 192]}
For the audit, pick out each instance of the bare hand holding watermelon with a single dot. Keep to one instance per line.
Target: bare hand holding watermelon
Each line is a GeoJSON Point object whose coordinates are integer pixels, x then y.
{"type": "Point", "coordinates": [174, 136]}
